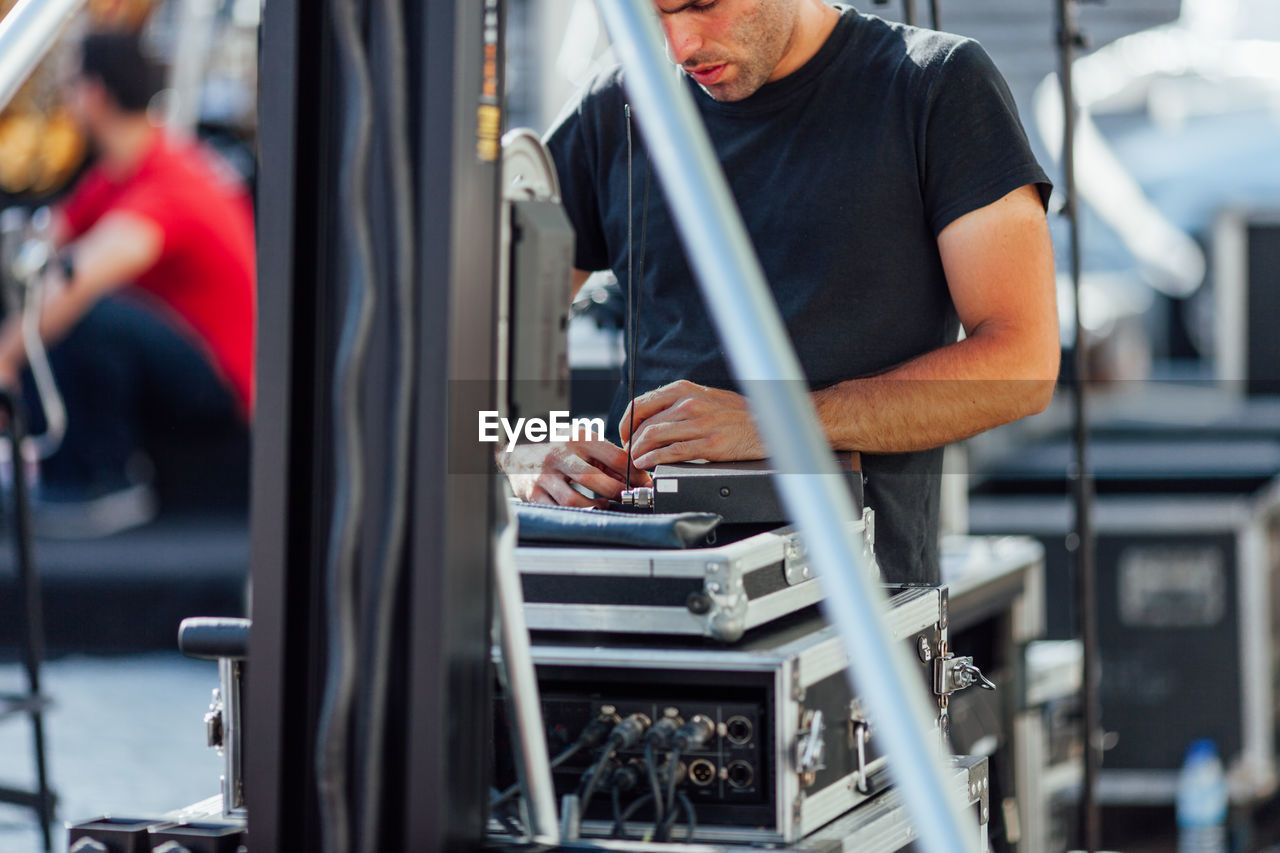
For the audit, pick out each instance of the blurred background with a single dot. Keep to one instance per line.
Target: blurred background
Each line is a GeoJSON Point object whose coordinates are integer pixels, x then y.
{"type": "Point", "coordinates": [1178, 164]}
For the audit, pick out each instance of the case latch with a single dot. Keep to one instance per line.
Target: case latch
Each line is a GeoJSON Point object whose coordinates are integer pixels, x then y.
{"type": "Point", "coordinates": [795, 561]}
{"type": "Point", "coordinates": [952, 674]}
{"type": "Point", "coordinates": [811, 747]}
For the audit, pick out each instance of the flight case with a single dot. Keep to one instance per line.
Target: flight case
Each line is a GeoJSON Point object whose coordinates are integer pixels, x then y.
{"type": "Point", "coordinates": [794, 747]}
{"type": "Point", "coordinates": [718, 592]}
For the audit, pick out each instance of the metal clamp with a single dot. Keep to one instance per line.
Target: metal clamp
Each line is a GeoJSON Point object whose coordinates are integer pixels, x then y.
{"type": "Point", "coordinates": [952, 674]}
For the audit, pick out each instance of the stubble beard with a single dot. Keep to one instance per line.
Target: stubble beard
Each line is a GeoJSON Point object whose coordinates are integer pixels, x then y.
{"type": "Point", "coordinates": [762, 39]}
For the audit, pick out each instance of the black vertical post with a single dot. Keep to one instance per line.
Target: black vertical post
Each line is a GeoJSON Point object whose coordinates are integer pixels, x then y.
{"type": "Point", "coordinates": [456, 104]}
{"type": "Point", "coordinates": [437, 720]}
{"type": "Point", "coordinates": [29, 590]}
{"type": "Point", "coordinates": [1069, 38]}
{"type": "Point", "coordinates": [289, 506]}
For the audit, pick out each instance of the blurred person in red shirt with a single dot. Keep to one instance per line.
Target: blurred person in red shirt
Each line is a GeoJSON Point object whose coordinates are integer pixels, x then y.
{"type": "Point", "coordinates": [150, 312]}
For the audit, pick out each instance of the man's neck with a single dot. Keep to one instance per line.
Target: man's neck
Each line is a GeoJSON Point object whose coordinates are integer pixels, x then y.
{"type": "Point", "coordinates": [814, 24]}
{"type": "Point", "coordinates": [125, 144]}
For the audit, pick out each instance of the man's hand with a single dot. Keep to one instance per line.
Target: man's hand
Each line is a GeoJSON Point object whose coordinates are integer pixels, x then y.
{"type": "Point", "coordinates": [683, 421]}
{"type": "Point", "coordinates": [543, 473]}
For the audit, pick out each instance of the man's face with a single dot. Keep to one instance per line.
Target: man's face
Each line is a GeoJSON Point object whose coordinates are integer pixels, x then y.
{"type": "Point", "coordinates": [729, 47]}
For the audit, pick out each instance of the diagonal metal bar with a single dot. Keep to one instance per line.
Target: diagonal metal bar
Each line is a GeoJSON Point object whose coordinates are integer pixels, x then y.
{"type": "Point", "coordinates": [26, 35]}
{"type": "Point", "coordinates": [765, 364]}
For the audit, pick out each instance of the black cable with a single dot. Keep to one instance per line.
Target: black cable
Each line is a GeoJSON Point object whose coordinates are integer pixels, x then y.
{"type": "Point", "coordinates": [564, 755]}
{"type": "Point", "coordinates": [334, 724]}
{"type": "Point", "coordinates": [655, 788]}
{"type": "Point", "coordinates": [692, 825]}
{"type": "Point", "coordinates": [620, 826]}
{"type": "Point", "coordinates": [625, 735]}
{"type": "Point", "coordinates": [587, 790]}
{"type": "Point", "coordinates": [673, 761]}
{"type": "Point", "coordinates": [616, 796]}
{"type": "Point", "coordinates": [668, 825]}
{"type": "Point", "coordinates": [592, 735]}
{"type": "Point", "coordinates": [387, 577]}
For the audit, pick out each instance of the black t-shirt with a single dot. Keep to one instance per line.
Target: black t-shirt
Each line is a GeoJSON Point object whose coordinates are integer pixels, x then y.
{"type": "Point", "coordinates": [845, 171]}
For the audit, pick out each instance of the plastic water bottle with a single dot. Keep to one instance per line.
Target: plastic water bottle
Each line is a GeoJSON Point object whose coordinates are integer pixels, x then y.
{"type": "Point", "coordinates": [1202, 801]}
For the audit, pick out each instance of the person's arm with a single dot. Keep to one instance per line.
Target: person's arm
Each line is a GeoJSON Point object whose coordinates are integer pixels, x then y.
{"type": "Point", "coordinates": [113, 253]}
{"type": "Point", "coordinates": [998, 262]}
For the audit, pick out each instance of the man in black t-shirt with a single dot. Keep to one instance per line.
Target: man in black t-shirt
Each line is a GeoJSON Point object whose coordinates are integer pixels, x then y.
{"type": "Point", "coordinates": [891, 195]}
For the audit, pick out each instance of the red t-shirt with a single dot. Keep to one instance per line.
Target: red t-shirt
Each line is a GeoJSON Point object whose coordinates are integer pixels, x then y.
{"type": "Point", "coordinates": [206, 271]}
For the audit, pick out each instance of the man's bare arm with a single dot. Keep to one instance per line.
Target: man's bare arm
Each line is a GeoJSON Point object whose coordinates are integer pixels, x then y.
{"type": "Point", "coordinates": [999, 266]}
{"type": "Point", "coordinates": [110, 255]}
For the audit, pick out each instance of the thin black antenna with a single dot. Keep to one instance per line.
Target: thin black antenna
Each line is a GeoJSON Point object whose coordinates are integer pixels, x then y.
{"type": "Point", "coordinates": [631, 324]}
{"type": "Point", "coordinates": [635, 287]}
{"type": "Point", "coordinates": [1070, 38]}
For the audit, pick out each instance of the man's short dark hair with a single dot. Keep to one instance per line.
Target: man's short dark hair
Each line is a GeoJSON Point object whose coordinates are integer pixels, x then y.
{"type": "Point", "coordinates": [116, 59]}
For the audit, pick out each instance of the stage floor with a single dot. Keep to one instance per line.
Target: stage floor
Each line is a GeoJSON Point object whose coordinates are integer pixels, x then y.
{"type": "Point", "coordinates": [125, 737]}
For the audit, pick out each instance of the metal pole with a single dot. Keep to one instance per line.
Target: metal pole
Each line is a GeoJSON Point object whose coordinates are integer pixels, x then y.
{"type": "Point", "coordinates": [26, 34]}
{"type": "Point", "coordinates": [29, 589]}
{"type": "Point", "coordinates": [1086, 570]}
{"type": "Point", "coordinates": [764, 363]}
{"type": "Point", "coordinates": [533, 766]}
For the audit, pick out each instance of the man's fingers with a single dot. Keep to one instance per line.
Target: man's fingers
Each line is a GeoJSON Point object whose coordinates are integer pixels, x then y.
{"type": "Point", "coordinates": [649, 404]}
{"type": "Point", "coordinates": [596, 480]}
{"type": "Point", "coordinates": [565, 495]}
{"type": "Point", "coordinates": [658, 432]}
{"type": "Point", "coordinates": [539, 495]}
{"type": "Point", "coordinates": [612, 457]}
{"type": "Point", "coordinates": [680, 451]}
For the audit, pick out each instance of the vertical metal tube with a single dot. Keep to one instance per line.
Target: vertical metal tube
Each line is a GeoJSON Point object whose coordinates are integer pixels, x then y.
{"type": "Point", "coordinates": [26, 35]}
{"type": "Point", "coordinates": [909, 12]}
{"type": "Point", "coordinates": [29, 590]}
{"type": "Point", "coordinates": [765, 365]}
{"type": "Point", "coordinates": [1086, 569]}
{"type": "Point", "coordinates": [533, 766]}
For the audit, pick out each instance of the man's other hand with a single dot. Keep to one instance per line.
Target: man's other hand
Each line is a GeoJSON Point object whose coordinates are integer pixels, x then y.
{"type": "Point", "coordinates": [684, 421]}
{"type": "Point", "coordinates": [544, 473]}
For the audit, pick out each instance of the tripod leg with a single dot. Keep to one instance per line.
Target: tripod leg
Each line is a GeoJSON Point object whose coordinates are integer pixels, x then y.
{"type": "Point", "coordinates": [29, 589]}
